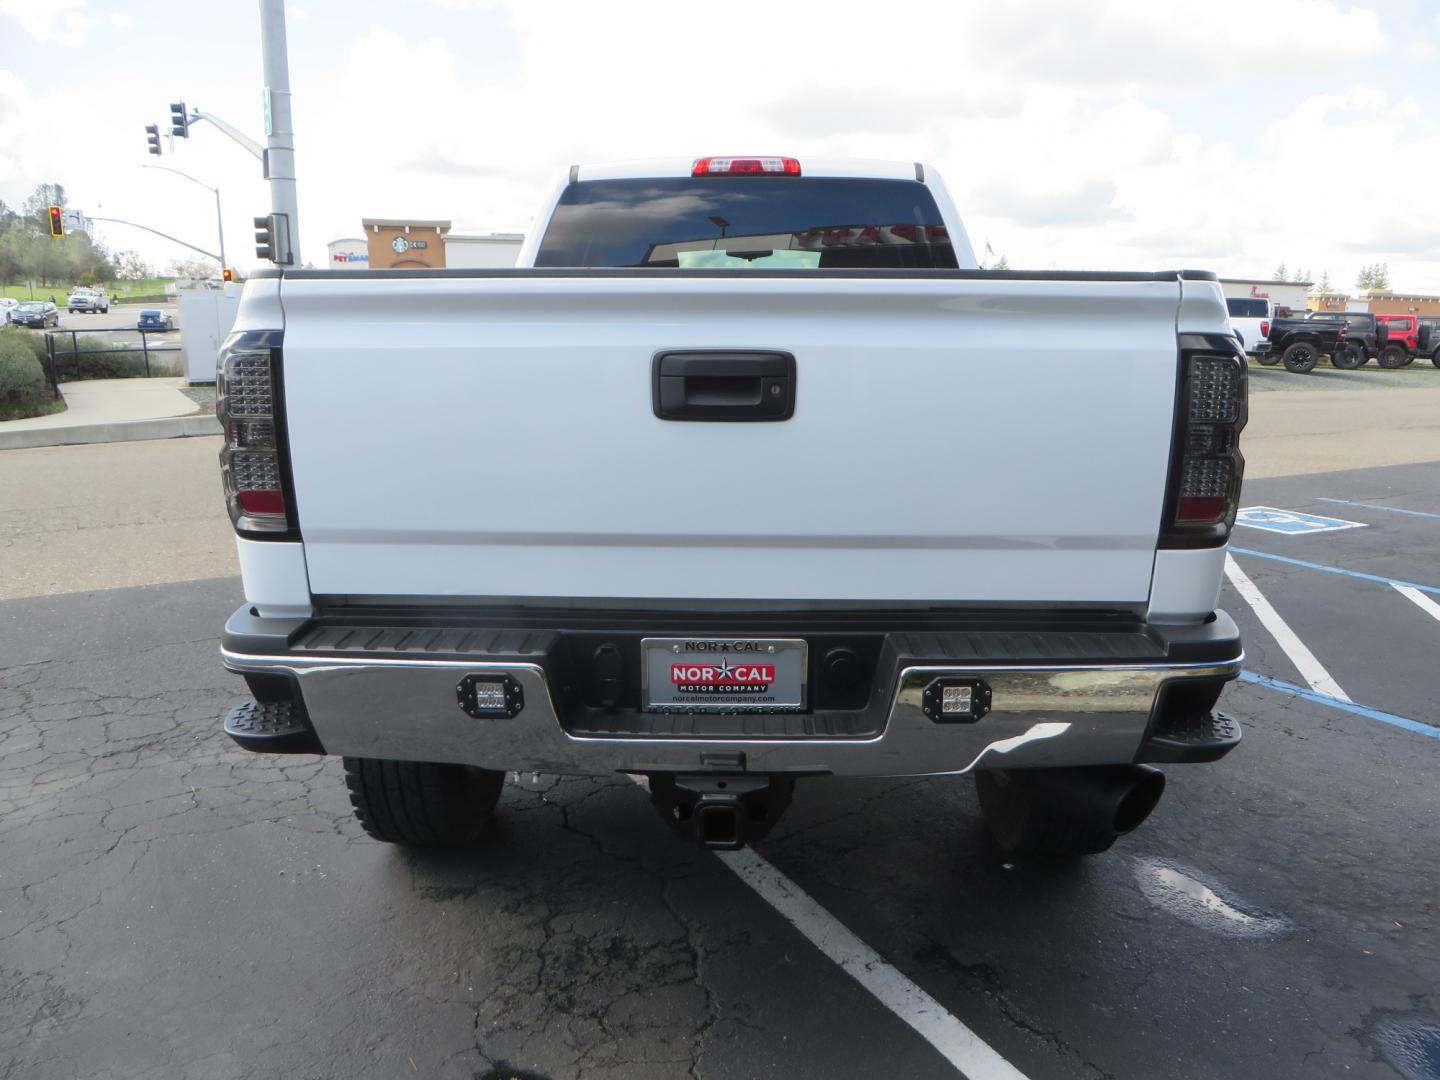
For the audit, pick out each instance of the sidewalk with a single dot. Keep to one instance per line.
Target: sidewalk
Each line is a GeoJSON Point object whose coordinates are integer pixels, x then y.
{"type": "Point", "coordinates": [113, 410]}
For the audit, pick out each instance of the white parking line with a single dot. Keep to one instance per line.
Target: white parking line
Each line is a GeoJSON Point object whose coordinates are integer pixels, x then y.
{"type": "Point", "coordinates": [1425, 604]}
{"type": "Point", "coordinates": [1311, 670]}
{"type": "Point", "coordinates": [955, 1042]}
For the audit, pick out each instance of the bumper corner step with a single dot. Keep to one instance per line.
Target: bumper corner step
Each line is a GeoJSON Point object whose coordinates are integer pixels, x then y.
{"type": "Point", "coordinates": [275, 727]}
{"type": "Point", "coordinates": [1206, 738]}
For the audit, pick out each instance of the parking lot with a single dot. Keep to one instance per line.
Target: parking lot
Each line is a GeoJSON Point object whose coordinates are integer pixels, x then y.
{"type": "Point", "coordinates": [171, 906]}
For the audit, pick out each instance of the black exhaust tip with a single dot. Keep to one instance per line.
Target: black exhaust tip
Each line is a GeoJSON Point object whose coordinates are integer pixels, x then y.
{"type": "Point", "coordinates": [1063, 812]}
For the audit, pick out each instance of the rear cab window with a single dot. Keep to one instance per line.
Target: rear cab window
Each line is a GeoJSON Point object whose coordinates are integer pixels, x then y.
{"type": "Point", "coordinates": [751, 221]}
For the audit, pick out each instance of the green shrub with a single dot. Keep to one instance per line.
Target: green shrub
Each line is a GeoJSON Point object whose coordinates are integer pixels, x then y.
{"type": "Point", "coordinates": [24, 390]}
{"type": "Point", "coordinates": [31, 339]}
{"type": "Point", "coordinates": [97, 360]}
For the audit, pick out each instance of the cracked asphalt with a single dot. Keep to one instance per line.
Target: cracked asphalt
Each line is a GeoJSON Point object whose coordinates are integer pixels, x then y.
{"type": "Point", "coordinates": [172, 906]}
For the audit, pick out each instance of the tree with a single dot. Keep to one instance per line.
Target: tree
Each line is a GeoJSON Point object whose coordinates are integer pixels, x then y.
{"type": "Point", "coordinates": [1324, 286]}
{"type": "Point", "coordinates": [1301, 275]}
{"type": "Point", "coordinates": [37, 205]}
{"type": "Point", "coordinates": [131, 267]}
{"type": "Point", "coordinates": [1373, 276]}
{"type": "Point", "coordinates": [194, 268]}
{"type": "Point", "coordinates": [1278, 274]}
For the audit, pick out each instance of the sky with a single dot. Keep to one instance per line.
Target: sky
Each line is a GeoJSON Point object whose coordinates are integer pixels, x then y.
{"type": "Point", "coordinates": [1230, 135]}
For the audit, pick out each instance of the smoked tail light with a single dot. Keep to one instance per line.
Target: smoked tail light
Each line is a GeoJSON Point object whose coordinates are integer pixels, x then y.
{"type": "Point", "coordinates": [254, 464]}
{"type": "Point", "coordinates": [745, 166]}
{"type": "Point", "coordinates": [1206, 464]}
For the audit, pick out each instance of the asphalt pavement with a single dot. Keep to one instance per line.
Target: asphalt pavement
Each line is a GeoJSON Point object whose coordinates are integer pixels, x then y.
{"type": "Point", "coordinates": [119, 317]}
{"type": "Point", "coordinates": [171, 906]}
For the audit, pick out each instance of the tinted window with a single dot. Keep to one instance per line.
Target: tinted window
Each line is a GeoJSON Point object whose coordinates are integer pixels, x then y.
{"type": "Point", "coordinates": [846, 223]}
{"type": "Point", "coordinates": [1243, 307]}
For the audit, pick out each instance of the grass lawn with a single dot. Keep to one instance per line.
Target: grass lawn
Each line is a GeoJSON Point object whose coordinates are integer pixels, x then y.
{"type": "Point", "coordinates": [121, 289]}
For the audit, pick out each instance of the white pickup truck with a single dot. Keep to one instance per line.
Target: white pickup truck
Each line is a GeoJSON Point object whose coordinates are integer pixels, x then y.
{"type": "Point", "coordinates": [745, 474]}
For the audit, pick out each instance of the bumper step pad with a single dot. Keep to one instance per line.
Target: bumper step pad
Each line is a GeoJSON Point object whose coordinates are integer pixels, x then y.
{"type": "Point", "coordinates": [1207, 738]}
{"type": "Point", "coordinates": [275, 727]}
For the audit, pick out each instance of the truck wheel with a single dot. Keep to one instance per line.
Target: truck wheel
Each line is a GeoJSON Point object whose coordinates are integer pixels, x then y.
{"type": "Point", "coordinates": [1348, 357]}
{"type": "Point", "coordinates": [421, 803]}
{"type": "Point", "coordinates": [1269, 359]}
{"type": "Point", "coordinates": [1435, 358]}
{"type": "Point", "coordinates": [1393, 356]}
{"type": "Point", "coordinates": [1300, 358]}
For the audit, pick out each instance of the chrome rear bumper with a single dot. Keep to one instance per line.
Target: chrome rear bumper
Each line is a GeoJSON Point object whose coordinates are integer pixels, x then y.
{"type": "Point", "coordinates": [1041, 715]}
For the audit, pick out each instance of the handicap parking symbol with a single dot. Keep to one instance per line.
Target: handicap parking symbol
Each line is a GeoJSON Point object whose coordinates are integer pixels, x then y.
{"type": "Point", "coordinates": [1291, 522]}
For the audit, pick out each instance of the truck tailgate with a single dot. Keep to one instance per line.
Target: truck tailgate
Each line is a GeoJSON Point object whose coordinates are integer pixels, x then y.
{"type": "Point", "coordinates": [954, 439]}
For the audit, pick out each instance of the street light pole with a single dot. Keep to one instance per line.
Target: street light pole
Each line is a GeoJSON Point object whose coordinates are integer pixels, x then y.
{"type": "Point", "coordinates": [219, 219]}
{"type": "Point", "coordinates": [279, 130]}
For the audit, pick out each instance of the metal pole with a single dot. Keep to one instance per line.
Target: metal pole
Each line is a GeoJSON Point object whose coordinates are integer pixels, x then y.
{"type": "Point", "coordinates": [219, 219]}
{"type": "Point", "coordinates": [280, 133]}
{"type": "Point", "coordinates": [220, 228]}
{"type": "Point", "coordinates": [157, 232]}
{"type": "Point", "coordinates": [234, 133]}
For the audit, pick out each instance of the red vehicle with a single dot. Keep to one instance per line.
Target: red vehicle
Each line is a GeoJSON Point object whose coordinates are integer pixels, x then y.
{"type": "Point", "coordinates": [1404, 340]}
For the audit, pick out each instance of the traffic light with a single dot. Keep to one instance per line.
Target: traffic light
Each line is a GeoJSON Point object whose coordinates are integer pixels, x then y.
{"type": "Point", "coordinates": [227, 274]}
{"type": "Point", "coordinates": [57, 221]}
{"type": "Point", "coordinates": [179, 120]}
{"type": "Point", "coordinates": [152, 136]}
{"type": "Point", "coordinates": [265, 238]}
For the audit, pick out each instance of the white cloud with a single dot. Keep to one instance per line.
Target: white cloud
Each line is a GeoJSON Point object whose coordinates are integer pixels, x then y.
{"type": "Point", "coordinates": [59, 22]}
{"type": "Point", "coordinates": [1071, 134]}
{"type": "Point", "coordinates": [120, 20]}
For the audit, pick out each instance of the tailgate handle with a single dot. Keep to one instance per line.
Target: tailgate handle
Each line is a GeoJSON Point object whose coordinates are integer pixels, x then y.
{"type": "Point", "coordinates": [730, 385]}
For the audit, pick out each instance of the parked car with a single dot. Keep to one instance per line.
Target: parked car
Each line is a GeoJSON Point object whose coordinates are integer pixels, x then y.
{"type": "Point", "coordinates": [1349, 338]}
{"type": "Point", "coordinates": [1250, 319]}
{"type": "Point", "coordinates": [708, 602]}
{"type": "Point", "coordinates": [1427, 338]}
{"type": "Point", "coordinates": [37, 314]}
{"type": "Point", "coordinates": [7, 308]}
{"type": "Point", "coordinates": [153, 319]}
{"type": "Point", "coordinates": [1404, 340]}
{"type": "Point", "coordinates": [87, 299]}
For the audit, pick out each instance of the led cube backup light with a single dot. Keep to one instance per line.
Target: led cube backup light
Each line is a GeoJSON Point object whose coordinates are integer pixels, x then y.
{"type": "Point", "coordinates": [956, 701]}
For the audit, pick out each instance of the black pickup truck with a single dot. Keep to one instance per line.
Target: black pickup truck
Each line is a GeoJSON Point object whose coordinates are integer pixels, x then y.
{"type": "Point", "coordinates": [1350, 338]}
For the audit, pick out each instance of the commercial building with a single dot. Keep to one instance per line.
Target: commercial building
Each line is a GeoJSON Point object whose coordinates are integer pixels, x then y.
{"type": "Point", "coordinates": [405, 243]}
{"type": "Point", "coordinates": [418, 244]}
{"type": "Point", "coordinates": [482, 250]}
{"type": "Point", "coordinates": [1284, 294]}
{"type": "Point", "coordinates": [349, 253]}
{"type": "Point", "coordinates": [1378, 302]}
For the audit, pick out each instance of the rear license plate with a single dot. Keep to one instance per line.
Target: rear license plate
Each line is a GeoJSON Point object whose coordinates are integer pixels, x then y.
{"type": "Point", "coordinates": [724, 674]}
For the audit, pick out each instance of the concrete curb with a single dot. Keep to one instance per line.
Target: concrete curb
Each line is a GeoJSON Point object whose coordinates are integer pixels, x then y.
{"type": "Point", "coordinates": [170, 427]}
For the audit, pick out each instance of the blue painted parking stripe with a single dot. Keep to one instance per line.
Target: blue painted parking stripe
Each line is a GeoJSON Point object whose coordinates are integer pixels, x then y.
{"type": "Point", "coordinates": [1377, 506]}
{"type": "Point", "coordinates": [1344, 706]}
{"type": "Point", "coordinates": [1336, 570]}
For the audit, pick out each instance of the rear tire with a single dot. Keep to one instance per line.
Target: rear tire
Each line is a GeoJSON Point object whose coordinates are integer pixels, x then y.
{"type": "Point", "coordinates": [1392, 357]}
{"type": "Point", "coordinates": [1300, 358]}
{"type": "Point", "coordinates": [421, 803]}
{"type": "Point", "coordinates": [1269, 359]}
{"type": "Point", "coordinates": [1435, 358]}
{"type": "Point", "coordinates": [1348, 357]}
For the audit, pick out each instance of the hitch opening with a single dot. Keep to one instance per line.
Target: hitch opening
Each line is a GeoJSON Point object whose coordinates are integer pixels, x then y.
{"type": "Point", "coordinates": [723, 812]}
